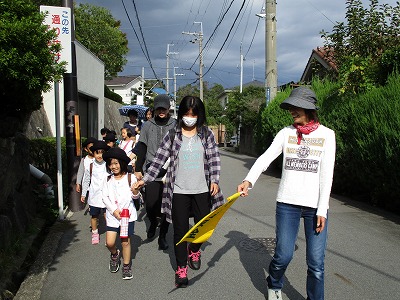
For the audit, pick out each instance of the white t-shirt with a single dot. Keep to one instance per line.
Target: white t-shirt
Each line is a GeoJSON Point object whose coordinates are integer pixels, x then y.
{"type": "Point", "coordinates": [307, 170]}
{"type": "Point", "coordinates": [117, 194]}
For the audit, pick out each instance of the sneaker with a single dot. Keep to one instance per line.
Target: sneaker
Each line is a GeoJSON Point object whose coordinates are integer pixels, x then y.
{"type": "Point", "coordinates": [194, 259]}
{"type": "Point", "coordinates": [181, 280]}
{"type": "Point", "coordinates": [95, 238]}
{"type": "Point", "coordinates": [274, 294]}
{"type": "Point", "coordinates": [127, 271]}
{"type": "Point", "coordinates": [114, 262]}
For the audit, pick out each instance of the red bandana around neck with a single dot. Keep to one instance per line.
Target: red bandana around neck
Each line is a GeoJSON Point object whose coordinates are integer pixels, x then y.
{"type": "Point", "coordinates": [305, 129]}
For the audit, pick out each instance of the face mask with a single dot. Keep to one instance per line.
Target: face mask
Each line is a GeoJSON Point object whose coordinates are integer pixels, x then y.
{"type": "Point", "coordinates": [189, 122]}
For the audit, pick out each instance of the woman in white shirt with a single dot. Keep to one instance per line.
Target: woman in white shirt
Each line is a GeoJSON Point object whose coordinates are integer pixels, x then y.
{"type": "Point", "coordinates": [308, 161]}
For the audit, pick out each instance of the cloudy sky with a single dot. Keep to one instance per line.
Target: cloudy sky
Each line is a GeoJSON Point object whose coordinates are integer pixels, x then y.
{"type": "Point", "coordinates": [162, 22]}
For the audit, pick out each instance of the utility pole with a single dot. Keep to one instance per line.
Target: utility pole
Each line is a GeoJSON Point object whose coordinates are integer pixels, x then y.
{"type": "Point", "coordinates": [241, 69]}
{"type": "Point", "coordinates": [71, 119]}
{"type": "Point", "coordinates": [168, 54]}
{"type": "Point", "coordinates": [271, 74]}
{"type": "Point", "coordinates": [175, 74]}
{"type": "Point", "coordinates": [199, 39]}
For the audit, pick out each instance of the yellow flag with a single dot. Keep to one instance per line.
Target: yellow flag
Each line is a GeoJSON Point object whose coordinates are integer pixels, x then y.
{"type": "Point", "coordinates": [203, 229]}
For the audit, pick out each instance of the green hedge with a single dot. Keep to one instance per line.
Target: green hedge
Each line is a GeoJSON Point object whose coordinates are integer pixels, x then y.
{"type": "Point", "coordinates": [367, 139]}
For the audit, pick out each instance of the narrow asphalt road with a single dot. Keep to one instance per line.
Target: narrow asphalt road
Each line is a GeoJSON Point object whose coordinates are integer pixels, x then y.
{"type": "Point", "coordinates": [362, 259]}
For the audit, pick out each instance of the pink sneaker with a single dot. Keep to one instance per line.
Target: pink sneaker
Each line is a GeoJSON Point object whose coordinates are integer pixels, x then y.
{"type": "Point", "coordinates": [95, 238]}
{"type": "Point", "coordinates": [194, 259]}
{"type": "Point", "coordinates": [181, 280]}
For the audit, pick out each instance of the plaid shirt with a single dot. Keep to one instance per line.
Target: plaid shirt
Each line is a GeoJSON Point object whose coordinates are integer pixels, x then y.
{"type": "Point", "coordinates": [170, 149]}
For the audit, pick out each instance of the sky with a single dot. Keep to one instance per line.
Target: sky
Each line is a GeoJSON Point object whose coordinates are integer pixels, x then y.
{"type": "Point", "coordinates": [299, 23]}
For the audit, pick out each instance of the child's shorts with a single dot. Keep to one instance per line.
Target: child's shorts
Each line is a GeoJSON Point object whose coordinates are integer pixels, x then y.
{"type": "Point", "coordinates": [95, 211]}
{"type": "Point", "coordinates": [131, 227]}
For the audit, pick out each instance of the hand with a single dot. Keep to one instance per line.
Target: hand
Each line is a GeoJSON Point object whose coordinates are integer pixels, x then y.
{"type": "Point", "coordinates": [83, 199]}
{"type": "Point", "coordinates": [134, 189]}
{"type": "Point", "coordinates": [214, 188]}
{"type": "Point", "coordinates": [117, 214]}
{"type": "Point", "coordinates": [243, 188]}
{"type": "Point", "coordinates": [138, 175]}
{"type": "Point", "coordinates": [78, 188]}
{"type": "Point", "coordinates": [138, 185]}
{"type": "Point", "coordinates": [320, 224]}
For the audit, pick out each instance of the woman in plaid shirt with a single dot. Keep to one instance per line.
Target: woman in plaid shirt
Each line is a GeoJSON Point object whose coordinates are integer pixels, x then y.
{"type": "Point", "coordinates": [192, 181]}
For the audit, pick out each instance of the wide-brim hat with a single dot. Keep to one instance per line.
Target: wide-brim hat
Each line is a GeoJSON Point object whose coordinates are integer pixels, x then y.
{"type": "Point", "coordinates": [89, 140]}
{"type": "Point", "coordinates": [110, 137]}
{"type": "Point", "coordinates": [162, 101]}
{"type": "Point", "coordinates": [116, 153]}
{"type": "Point", "coordinates": [97, 145]}
{"type": "Point", "coordinates": [302, 97]}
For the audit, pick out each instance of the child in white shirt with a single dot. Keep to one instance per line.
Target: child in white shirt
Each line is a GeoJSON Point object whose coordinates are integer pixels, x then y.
{"type": "Point", "coordinates": [93, 182]}
{"type": "Point", "coordinates": [118, 194]}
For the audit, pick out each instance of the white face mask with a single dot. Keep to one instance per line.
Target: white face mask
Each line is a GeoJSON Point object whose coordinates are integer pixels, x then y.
{"type": "Point", "coordinates": [189, 122]}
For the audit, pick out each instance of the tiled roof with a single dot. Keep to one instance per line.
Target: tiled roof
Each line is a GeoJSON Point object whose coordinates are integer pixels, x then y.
{"type": "Point", "coordinates": [121, 80]}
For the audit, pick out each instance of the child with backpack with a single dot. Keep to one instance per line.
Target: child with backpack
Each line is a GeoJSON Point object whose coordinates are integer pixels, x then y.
{"type": "Point", "coordinates": [118, 197]}
{"type": "Point", "coordinates": [93, 182]}
{"type": "Point", "coordinates": [85, 162]}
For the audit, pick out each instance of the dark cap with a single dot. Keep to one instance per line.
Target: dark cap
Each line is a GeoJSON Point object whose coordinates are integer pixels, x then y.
{"type": "Point", "coordinates": [302, 97]}
{"type": "Point", "coordinates": [110, 137]}
{"type": "Point", "coordinates": [116, 153]}
{"type": "Point", "coordinates": [162, 101]}
{"type": "Point", "coordinates": [89, 140]}
{"type": "Point", "coordinates": [97, 145]}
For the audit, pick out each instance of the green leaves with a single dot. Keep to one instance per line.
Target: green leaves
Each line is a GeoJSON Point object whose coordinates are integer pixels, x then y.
{"type": "Point", "coordinates": [360, 44]}
{"type": "Point", "coordinates": [98, 31]}
{"type": "Point", "coordinates": [27, 64]}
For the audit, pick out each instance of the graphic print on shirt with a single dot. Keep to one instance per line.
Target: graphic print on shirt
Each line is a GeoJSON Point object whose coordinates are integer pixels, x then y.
{"type": "Point", "coordinates": [192, 155]}
{"type": "Point", "coordinates": [301, 162]}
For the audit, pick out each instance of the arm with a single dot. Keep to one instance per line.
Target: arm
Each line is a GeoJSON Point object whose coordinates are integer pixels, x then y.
{"type": "Point", "coordinates": [140, 151]}
{"type": "Point", "coordinates": [79, 175]}
{"type": "Point", "coordinates": [262, 163]}
{"type": "Point", "coordinates": [85, 185]}
{"type": "Point", "coordinates": [108, 202]}
{"type": "Point", "coordinates": [326, 174]}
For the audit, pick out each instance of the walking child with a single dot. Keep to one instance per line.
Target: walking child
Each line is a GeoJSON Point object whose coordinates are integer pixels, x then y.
{"type": "Point", "coordinates": [118, 194]}
{"type": "Point", "coordinates": [93, 182]}
{"type": "Point", "coordinates": [85, 162]}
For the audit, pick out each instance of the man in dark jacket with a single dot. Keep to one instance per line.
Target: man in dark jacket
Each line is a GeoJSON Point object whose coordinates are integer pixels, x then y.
{"type": "Point", "coordinates": [151, 135]}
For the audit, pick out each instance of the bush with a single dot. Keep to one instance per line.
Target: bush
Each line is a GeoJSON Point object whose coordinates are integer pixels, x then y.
{"type": "Point", "coordinates": [111, 95]}
{"type": "Point", "coordinates": [43, 155]}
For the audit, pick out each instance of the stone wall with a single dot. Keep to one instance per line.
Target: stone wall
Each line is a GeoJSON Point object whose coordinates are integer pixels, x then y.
{"type": "Point", "coordinates": [38, 125]}
{"type": "Point", "coordinates": [112, 119]}
{"type": "Point", "coordinates": [17, 208]}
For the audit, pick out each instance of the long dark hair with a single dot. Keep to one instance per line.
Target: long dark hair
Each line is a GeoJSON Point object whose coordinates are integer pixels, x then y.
{"type": "Point", "coordinates": [198, 109]}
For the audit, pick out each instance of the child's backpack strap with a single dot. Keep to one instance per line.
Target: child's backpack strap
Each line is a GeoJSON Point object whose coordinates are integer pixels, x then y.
{"type": "Point", "coordinates": [129, 179]}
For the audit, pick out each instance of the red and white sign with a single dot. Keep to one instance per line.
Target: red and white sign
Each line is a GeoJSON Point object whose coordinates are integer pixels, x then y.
{"type": "Point", "coordinates": [60, 19]}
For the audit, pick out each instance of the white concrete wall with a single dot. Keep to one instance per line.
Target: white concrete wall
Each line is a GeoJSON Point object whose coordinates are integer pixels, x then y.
{"type": "Point", "coordinates": [90, 77]}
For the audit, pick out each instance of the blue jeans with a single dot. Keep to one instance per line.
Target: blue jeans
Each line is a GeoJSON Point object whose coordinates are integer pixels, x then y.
{"type": "Point", "coordinates": [287, 227]}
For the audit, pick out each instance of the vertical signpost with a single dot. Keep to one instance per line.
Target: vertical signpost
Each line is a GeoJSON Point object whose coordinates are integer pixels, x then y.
{"type": "Point", "coordinates": [59, 19]}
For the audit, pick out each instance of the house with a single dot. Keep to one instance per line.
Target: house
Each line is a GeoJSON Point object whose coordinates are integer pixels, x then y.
{"type": "Point", "coordinates": [321, 63]}
{"type": "Point", "coordinates": [127, 87]}
{"type": "Point", "coordinates": [90, 81]}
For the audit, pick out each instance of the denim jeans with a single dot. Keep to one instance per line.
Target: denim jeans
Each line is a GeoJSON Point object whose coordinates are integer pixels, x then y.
{"type": "Point", "coordinates": [287, 227]}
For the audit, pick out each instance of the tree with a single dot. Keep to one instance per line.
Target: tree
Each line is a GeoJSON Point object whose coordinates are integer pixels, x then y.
{"type": "Point", "coordinates": [214, 109]}
{"type": "Point", "coordinates": [98, 31]}
{"type": "Point", "coordinates": [366, 46]}
{"type": "Point", "coordinates": [27, 64]}
{"type": "Point", "coordinates": [244, 107]}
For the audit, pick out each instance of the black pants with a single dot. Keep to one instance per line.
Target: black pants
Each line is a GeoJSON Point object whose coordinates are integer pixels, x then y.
{"type": "Point", "coordinates": [153, 198]}
{"type": "Point", "coordinates": [183, 205]}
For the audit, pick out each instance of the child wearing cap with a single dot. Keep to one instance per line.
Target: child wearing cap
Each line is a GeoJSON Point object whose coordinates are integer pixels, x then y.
{"type": "Point", "coordinates": [85, 162]}
{"type": "Point", "coordinates": [93, 182]}
{"type": "Point", "coordinates": [118, 194]}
